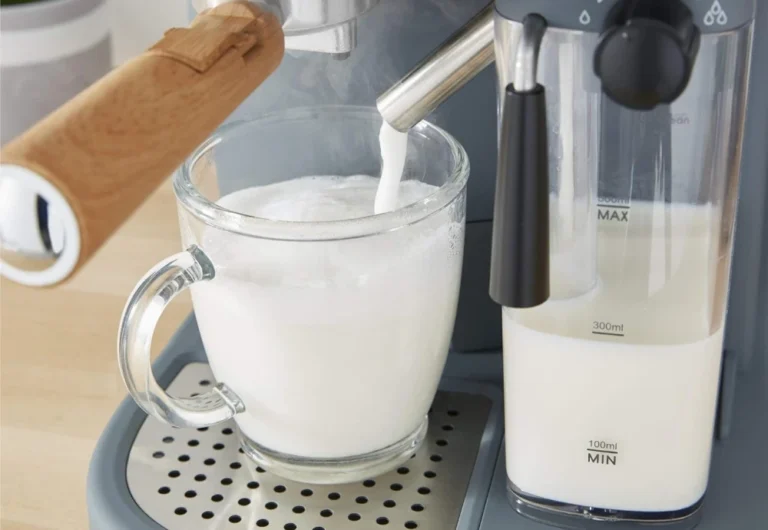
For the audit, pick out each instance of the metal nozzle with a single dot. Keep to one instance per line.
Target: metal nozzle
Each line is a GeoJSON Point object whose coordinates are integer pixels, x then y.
{"type": "Point", "coordinates": [324, 26]}
{"type": "Point", "coordinates": [460, 58]}
{"type": "Point", "coordinates": [527, 58]}
{"type": "Point", "coordinates": [338, 41]}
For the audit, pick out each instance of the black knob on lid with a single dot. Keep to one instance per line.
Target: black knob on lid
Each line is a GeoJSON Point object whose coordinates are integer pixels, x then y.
{"type": "Point", "coordinates": [647, 52]}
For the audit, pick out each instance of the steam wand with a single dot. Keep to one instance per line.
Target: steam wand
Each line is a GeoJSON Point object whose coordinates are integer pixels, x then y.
{"type": "Point", "coordinates": [520, 253]}
{"type": "Point", "coordinates": [441, 74]}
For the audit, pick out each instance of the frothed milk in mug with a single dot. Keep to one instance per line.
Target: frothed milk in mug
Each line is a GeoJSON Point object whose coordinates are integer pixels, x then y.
{"type": "Point", "coordinates": [335, 347]}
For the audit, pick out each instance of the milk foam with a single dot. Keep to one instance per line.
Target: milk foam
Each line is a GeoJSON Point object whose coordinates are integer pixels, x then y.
{"type": "Point", "coordinates": [335, 347]}
{"type": "Point", "coordinates": [320, 199]}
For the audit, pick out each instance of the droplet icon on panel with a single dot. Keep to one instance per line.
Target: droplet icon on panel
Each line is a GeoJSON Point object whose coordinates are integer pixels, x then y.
{"type": "Point", "coordinates": [717, 14]}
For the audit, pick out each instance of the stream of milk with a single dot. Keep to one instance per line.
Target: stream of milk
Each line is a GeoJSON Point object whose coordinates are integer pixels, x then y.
{"type": "Point", "coordinates": [394, 145]}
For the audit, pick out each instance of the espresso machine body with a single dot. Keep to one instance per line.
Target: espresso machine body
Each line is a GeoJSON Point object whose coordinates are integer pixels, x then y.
{"type": "Point", "coordinates": [355, 60]}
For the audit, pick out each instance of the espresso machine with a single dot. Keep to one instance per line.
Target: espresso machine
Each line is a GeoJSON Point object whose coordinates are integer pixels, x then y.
{"type": "Point", "coordinates": [608, 366]}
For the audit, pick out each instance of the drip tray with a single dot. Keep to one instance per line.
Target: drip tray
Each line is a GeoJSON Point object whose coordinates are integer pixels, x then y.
{"type": "Point", "coordinates": [187, 479]}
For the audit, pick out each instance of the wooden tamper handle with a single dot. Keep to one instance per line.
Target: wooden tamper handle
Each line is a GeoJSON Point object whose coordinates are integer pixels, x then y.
{"type": "Point", "coordinates": [110, 147]}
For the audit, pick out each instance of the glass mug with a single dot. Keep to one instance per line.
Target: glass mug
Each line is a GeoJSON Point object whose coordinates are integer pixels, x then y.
{"type": "Point", "coordinates": [327, 339]}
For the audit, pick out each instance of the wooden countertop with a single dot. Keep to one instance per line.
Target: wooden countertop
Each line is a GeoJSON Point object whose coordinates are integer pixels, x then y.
{"type": "Point", "coordinates": [59, 382]}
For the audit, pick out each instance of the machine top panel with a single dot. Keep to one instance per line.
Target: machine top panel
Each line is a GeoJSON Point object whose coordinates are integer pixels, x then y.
{"type": "Point", "coordinates": [711, 16]}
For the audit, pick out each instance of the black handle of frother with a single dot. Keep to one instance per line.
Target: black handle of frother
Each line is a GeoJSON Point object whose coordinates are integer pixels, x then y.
{"type": "Point", "coordinates": [520, 252]}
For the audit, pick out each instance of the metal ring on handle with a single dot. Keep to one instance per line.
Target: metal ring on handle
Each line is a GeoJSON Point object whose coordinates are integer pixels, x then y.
{"type": "Point", "coordinates": [527, 58]}
{"type": "Point", "coordinates": [25, 255]}
{"type": "Point", "coordinates": [137, 325]}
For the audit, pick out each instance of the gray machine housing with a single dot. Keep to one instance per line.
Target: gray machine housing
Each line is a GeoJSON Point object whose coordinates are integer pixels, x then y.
{"type": "Point", "coordinates": [589, 15]}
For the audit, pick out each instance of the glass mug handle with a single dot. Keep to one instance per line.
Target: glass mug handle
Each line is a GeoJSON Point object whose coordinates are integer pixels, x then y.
{"type": "Point", "coordinates": [137, 325]}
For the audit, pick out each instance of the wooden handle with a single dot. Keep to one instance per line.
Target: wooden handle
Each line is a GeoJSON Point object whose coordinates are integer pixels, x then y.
{"type": "Point", "coordinates": [112, 145]}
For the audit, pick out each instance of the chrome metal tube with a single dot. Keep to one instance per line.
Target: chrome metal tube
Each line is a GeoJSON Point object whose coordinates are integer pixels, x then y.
{"type": "Point", "coordinates": [302, 16]}
{"type": "Point", "coordinates": [324, 26]}
{"type": "Point", "coordinates": [460, 58]}
{"type": "Point", "coordinates": [527, 58]}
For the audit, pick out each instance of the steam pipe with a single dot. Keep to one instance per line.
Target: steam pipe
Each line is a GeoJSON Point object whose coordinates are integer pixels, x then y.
{"type": "Point", "coordinates": [323, 26]}
{"type": "Point", "coordinates": [527, 58]}
{"type": "Point", "coordinates": [448, 68]}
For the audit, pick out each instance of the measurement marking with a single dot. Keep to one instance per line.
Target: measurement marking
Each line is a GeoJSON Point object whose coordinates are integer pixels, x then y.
{"type": "Point", "coordinates": [613, 206]}
{"type": "Point", "coordinates": [609, 334]}
{"type": "Point", "coordinates": [603, 451]}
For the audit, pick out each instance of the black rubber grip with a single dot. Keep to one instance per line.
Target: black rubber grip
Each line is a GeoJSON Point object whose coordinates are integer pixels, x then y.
{"type": "Point", "coordinates": [520, 253]}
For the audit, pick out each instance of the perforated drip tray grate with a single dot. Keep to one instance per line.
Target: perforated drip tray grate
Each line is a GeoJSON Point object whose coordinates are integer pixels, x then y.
{"type": "Point", "coordinates": [199, 479]}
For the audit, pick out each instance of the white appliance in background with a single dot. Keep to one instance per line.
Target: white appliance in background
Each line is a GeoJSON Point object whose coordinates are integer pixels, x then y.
{"type": "Point", "coordinates": [137, 24]}
{"type": "Point", "coordinates": [51, 51]}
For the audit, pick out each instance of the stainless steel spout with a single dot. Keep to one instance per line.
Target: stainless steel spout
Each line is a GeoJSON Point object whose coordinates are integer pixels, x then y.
{"type": "Point", "coordinates": [325, 26]}
{"type": "Point", "coordinates": [448, 68]}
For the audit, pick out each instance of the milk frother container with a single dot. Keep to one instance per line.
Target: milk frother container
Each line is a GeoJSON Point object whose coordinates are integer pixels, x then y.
{"type": "Point", "coordinates": [620, 133]}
